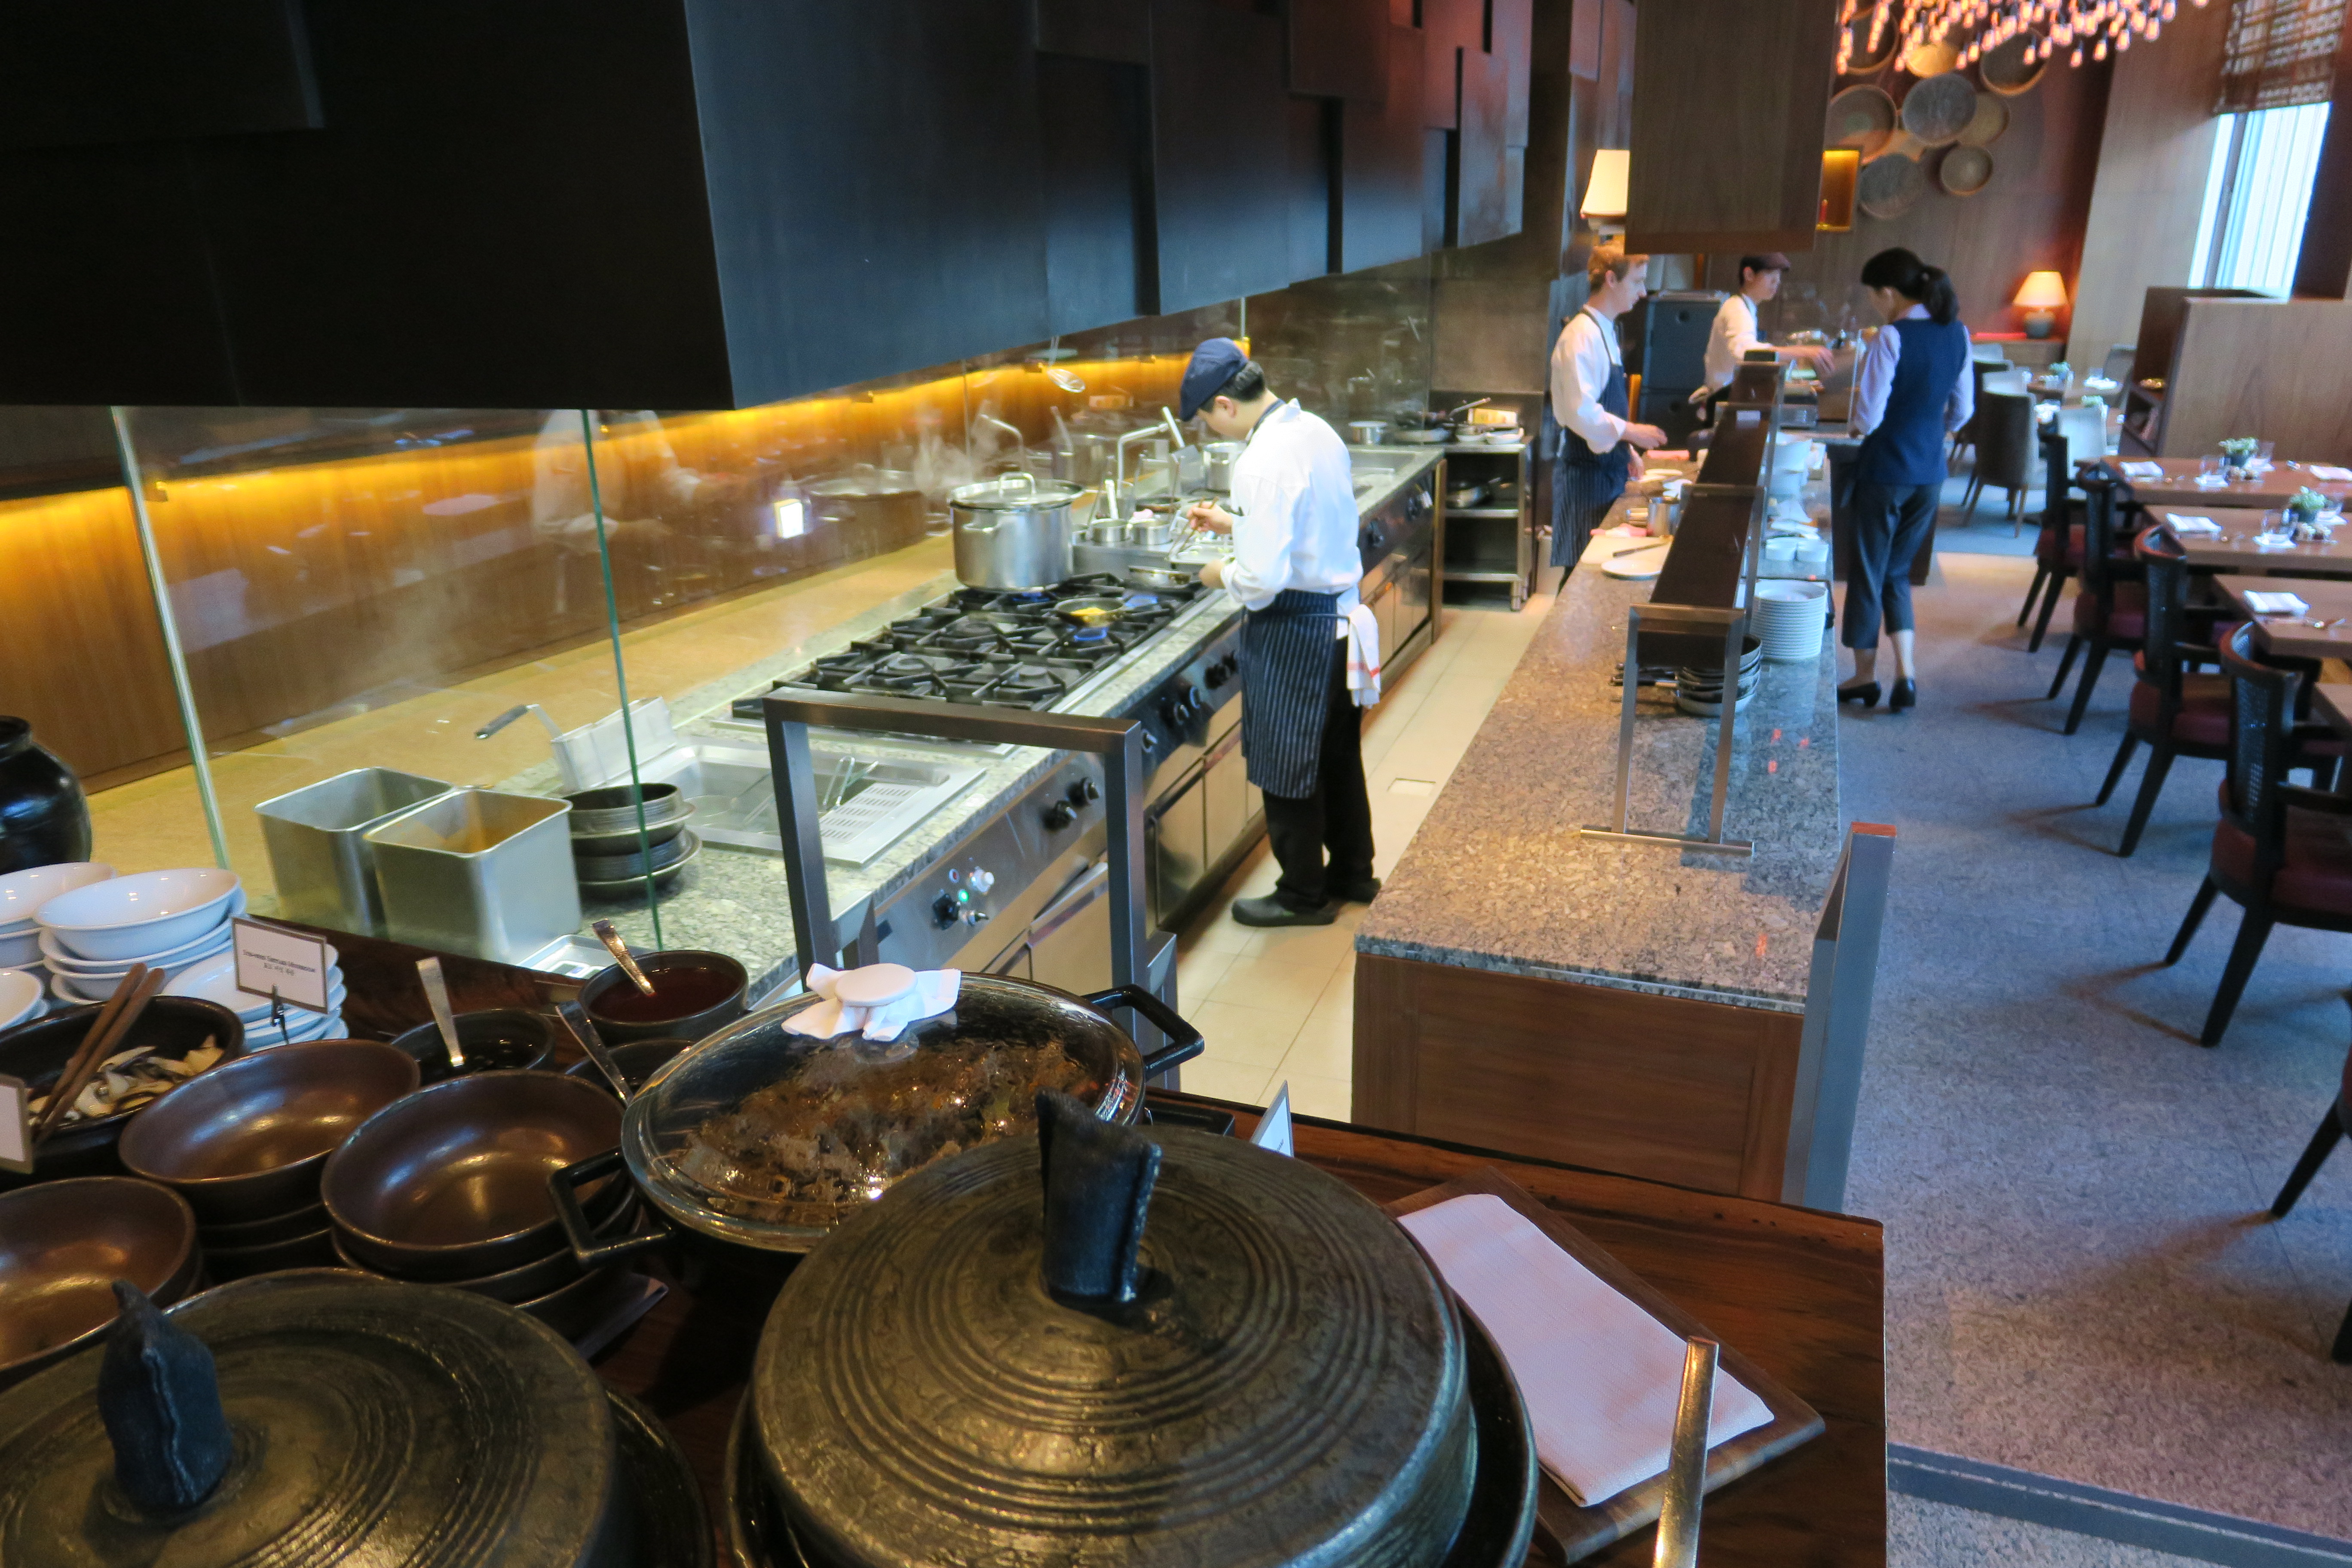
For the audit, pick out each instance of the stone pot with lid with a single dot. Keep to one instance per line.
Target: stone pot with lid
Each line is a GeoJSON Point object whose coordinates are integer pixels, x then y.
{"type": "Point", "coordinates": [757, 1142]}
{"type": "Point", "coordinates": [1091, 1348]}
{"type": "Point", "coordinates": [322, 1417]}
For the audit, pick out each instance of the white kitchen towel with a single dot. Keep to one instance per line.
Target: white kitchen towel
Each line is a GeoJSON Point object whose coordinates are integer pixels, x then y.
{"type": "Point", "coordinates": [1363, 655]}
{"type": "Point", "coordinates": [1600, 1376]}
{"type": "Point", "coordinates": [2275, 605]}
{"type": "Point", "coordinates": [2143, 470]}
{"type": "Point", "coordinates": [2194, 524]}
{"type": "Point", "coordinates": [933, 991]}
{"type": "Point", "coordinates": [2327, 475]}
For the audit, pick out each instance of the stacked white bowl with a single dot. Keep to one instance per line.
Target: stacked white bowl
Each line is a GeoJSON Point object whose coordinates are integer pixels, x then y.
{"type": "Point", "coordinates": [90, 937]}
{"type": "Point", "coordinates": [21, 893]}
{"type": "Point", "coordinates": [1789, 617]}
{"type": "Point", "coordinates": [214, 980]}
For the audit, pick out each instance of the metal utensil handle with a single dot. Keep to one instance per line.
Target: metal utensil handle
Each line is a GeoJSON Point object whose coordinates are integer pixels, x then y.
{"type": "Point", "coordinates": [437, 997]}
{"type": "Point", "coordinates": [1687, 1466]}
{"type": "Point", "coordinates": [1022, 474]}
{"type": "Point", "coordinates": [575, 1018]}
{"type": "Point", "coordinates": [564, 1187]}
{"type": "Point", "coordinates": [1183, 1040]}
{"type": "Point", "coordinates": [610, 935]}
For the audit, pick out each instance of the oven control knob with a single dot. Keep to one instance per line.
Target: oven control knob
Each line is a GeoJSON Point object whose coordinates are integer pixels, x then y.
{"type": "Point", "coordinates": [945, 910]}
{"type": "Point", "coordinates": [1060, 815]}
{"type": "Point", "coordinates": [1216, 675]}
{"type": "Point", "coordinates": [1084, 792]}
{"type": "Point", "coordinates": [982, 881]}
{"type": "Point", "coordinates": [1192, 703]}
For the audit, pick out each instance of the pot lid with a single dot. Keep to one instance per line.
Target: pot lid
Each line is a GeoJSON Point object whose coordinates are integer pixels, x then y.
{"type": "Point", "coordinates": [771, 1137]}
{"type": "Point", "coordinates": [1285, 1386]}
{"type": "Point", "coordinates": [366, 1421]}
{"type": "Point", "coordinates": [1013, 493]}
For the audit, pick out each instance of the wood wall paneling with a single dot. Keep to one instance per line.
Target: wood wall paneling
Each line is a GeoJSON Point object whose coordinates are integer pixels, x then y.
{"type": "Point", "coordinates": [2154, 140]}
{"type": "Point", "coordinates": [143, 71]}
{"type": "Point", "coordinates": [1446, 24]}
{"type": "Point", "coordinates": [1438, 179]}
{"type": "Point", "coordinates": [1100, 255]}
{"type": "Point", "coordinates": [1219, 180]}
{"type": "Point", "coordinates": [1727, 107]}
{"type": "Point", "coordinates": [2277, 369]}
{"type": "Point", "coordinates": [1484, 210]}
{"type": "Point", "coordinates": [1512, 38]}
{"type": "Point", "coordinates": [1340, 49]}
{"type": "Point", "coordinates": [1380, 173]}
{"type": "Point", "coordinates": [918, 235]}
{"type": "Point", "coordinates": [2028, 217]}
{"type": "Point", "coordinates": [2322, 268]}
{"type": "Point", "coordinates": [80, 654]}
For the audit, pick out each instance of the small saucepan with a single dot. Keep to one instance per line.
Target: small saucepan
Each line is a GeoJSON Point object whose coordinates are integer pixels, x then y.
{"type": "Point", "coordinates": [694, 992]}
{"type": "Point", "coordinates": [494, 1039]}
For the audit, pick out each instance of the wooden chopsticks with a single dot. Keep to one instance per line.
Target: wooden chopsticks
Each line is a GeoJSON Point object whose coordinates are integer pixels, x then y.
{"type": "Point", "coordinates": [116, 1018]}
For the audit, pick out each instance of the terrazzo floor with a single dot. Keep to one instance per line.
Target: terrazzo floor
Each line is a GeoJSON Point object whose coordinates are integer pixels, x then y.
{"type": "Point", "coordinates": [2081, 1277]}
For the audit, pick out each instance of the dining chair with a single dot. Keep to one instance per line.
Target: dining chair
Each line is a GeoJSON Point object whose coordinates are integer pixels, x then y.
{"type": "Point", "coordinates": [2004, 438]}
{"type": "Point", "coordinates": [2175, 711]}
{"type": "Point", "coordinates": [1965, 437]}
{"type": "Point", "coordinates": [2057, 550]}
{"type": "Point", "coordinates": [2110, 608]}
{"type": "Point", "coordinates": [2281, 852]}
{"type": "Point", "coordinates": [2323, 1144]}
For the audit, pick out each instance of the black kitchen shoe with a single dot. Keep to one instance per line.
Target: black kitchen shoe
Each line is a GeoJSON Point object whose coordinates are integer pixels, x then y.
{"type": "Point", "coordinates": [1273, 911]}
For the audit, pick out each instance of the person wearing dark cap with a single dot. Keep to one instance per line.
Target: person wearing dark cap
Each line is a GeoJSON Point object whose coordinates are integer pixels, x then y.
{"type": "Point", "coordinates": [1736, 330]}
{"type": "Point", "coordinates": [1294, 567]}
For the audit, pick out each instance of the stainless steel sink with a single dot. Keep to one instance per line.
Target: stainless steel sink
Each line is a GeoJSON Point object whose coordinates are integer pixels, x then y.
{"type": "Point", "coordinates": [869, 801]}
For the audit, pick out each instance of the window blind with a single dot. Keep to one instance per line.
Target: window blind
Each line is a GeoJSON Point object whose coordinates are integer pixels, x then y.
{"type": "Point", "coordinates": [2280, 52]}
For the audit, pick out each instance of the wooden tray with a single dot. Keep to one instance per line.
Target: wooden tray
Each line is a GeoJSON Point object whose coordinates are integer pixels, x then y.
{"type": "Point", "coordinates": [1570, 1531]}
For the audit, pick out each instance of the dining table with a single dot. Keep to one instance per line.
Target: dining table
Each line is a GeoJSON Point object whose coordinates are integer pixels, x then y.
{"type": "Point", "coordinates": [2178, 486]}
{"type": "Point", "coordinates": [2322, 630]}
{"type": "Point", "coordinates": [2235, 549]}
{"type": "Point", "coordinates": [2332, 701]}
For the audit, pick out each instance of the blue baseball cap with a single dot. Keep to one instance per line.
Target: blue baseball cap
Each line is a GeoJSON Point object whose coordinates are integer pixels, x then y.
{"type": "Point", "coordinates": [1214, 363]}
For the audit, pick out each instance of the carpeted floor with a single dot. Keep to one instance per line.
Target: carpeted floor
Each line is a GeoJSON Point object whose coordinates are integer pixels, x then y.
{"type": "Point", "coordinates": [2081, 1276]}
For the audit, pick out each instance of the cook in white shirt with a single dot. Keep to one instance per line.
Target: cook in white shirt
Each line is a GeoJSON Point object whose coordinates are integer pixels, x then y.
{"type": "Point", "coordinates": [1735, 331]}
{"type": "Point", "coordinates": [1601, 445]}
{"type": "Point", "coordinates": [1296, 566]}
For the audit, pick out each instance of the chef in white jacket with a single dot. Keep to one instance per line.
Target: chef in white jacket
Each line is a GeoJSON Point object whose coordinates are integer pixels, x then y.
{"type": "Point", "coordinates": [1738, 329]}
{"type": "Point", "coordinates": [1294, 567]}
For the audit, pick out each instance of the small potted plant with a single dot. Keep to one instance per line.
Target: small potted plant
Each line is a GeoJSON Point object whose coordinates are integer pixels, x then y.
{"type": "Point", "coordinates": [2239, 452]}
{"type": "Point", "coordinates": [2306, 504]}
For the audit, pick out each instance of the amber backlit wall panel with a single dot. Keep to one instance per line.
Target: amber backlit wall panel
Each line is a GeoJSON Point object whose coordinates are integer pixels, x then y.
{"type": "Point", "coordinates": [80, 653]}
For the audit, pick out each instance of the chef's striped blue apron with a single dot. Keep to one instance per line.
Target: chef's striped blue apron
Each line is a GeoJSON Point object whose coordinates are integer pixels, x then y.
{"type": "Point", "coordinates": [1286, 688]}
{"type": "Point", "coordinates": [1586, 483]}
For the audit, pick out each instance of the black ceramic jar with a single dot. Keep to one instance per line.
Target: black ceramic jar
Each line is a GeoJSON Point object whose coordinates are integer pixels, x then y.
{"type": "Point", "coordinates": [44, 818]}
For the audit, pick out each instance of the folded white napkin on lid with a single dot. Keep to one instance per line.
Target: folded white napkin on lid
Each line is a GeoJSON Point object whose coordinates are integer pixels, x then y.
{"type": "Point", "coordinates": [1600, 1376]}
{"type": "Point", "coordinates": [2195, 525]}
{"type": "Point", "coordinates": [2263, 604]}
{"type": "Point", "coordinates": [877, 1000]}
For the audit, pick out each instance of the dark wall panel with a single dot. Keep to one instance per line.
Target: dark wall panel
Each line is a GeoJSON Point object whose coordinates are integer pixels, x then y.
{"type": "Point", "coordinates": [78, 72]}
{"type": "Point", "coordinates": [1380, 175]}
{"type": "Point", "coordinates": [1098, 249]}
{"type": "Point", "coordinates": [1313, 128]}
{"type": "Point", "coordinates": [1117, 30]}
{"type": "Point", "coordinates": [1221, 181]}
{"type": "Point", "coordinates": [1483, 206]}
{"type": "Point", "coordinates": [1340, 49]}
{"type": "Point", "coordinates": [916, 233]}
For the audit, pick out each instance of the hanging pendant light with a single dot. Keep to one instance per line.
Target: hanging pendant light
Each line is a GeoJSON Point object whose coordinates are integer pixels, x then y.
{"type": "Point", "coordinates": [1974, 28]}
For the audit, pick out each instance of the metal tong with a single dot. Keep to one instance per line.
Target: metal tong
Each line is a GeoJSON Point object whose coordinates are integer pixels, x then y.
{"type": "Point", "coordinates": [1687, 1463]}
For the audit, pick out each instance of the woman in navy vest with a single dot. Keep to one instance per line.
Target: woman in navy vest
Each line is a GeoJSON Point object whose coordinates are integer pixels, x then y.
{"type": "Point", "coordinates": [1911, 390]}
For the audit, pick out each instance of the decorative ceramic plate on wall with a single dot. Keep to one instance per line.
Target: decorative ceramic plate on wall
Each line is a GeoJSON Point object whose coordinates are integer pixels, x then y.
{"type": "Point", "coordinates": [2006, 69]}
{"type": "Point", "coordinates": [1990, 120]}
{"type": "Point", "coordinates": [1965, 171]}
{"type": "Point", "coordinates": [1938, 109]}
{"type": "Point", "coordinates": [1932, 59]}
{"type": "Point", "coordinates": [1860, 117]}
{"type": "Point", "coordinates": [1889, 187]}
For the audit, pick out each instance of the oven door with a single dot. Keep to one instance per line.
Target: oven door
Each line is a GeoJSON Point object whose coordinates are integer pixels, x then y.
{"type": "Point", "coordinates": [1069, 941]}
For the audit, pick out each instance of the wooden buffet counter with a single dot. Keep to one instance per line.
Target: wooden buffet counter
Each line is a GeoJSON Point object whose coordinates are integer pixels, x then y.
{"type": "Point", "coordinates": [1631, 1006]}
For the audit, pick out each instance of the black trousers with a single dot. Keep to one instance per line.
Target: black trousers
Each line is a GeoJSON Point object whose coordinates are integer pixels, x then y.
{"type": "Point", "coordinates": [1890, 523]}
{"type": "Point", "coordinates": [1337, 816]}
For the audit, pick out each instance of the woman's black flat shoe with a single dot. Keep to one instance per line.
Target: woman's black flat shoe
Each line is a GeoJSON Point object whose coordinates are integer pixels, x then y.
{"type": "Point", "coordinates": [1867, 694]}
{"type": "Point", "coordinates": [1905, 695]}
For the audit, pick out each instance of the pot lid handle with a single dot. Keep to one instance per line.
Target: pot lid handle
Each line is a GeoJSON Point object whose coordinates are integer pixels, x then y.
{"type": "Point", "coordinates": [159, 1394]}
{"type": "Point", "coordinates": [1098, 1178]}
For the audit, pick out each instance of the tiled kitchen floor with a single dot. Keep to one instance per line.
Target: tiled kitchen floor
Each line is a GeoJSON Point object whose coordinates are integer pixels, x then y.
{"type": "Point", "coordinates": [1279, 1006]}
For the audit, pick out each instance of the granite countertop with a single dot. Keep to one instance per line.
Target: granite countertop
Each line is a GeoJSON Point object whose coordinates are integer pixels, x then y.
{"type": "Point", "coordinates": [1497, 877]}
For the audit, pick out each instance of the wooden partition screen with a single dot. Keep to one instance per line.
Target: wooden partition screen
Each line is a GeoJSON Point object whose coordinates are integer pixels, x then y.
{"type": "Point", "coordinates": [2279, 370]}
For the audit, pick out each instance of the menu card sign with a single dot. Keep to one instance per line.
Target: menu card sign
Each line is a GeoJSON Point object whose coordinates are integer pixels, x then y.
{"type": "Point", "coordinates": [1274, 1127]}
{"type": "Point", "coordinates": [274, 962]}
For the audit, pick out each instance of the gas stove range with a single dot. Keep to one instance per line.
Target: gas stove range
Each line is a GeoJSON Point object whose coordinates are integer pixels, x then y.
{"type": "Point", "coordinates": [1025, 649]}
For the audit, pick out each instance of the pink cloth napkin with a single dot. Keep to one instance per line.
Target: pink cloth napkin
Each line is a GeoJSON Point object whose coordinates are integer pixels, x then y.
{"type": "Point", "coordinates": [1600, 1376]}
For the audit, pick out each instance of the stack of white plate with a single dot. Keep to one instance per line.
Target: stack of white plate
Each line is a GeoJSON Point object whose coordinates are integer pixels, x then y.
{"type": "Point", "coordinates": [22, 893]}
{"type": "Point", "coordinates": [214, 980]}
{"type": "Point", "coordinates": [90, 938]}
{"type": "Point", "coordinates": [23, 997]}
{"type": "Point", "coordinates": [1790, 618]}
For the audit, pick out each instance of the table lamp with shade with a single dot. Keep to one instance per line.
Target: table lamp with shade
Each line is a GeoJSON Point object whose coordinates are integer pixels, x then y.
{"type": "Point", "coordinates": [2041, 298]}
{"type": "Point", "coordinates": [1604, 191]}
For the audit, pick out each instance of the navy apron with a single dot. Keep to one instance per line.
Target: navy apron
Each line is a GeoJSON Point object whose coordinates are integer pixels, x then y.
{"type": "Point", "coordinates": [1586, 483]}
{"type": "Point", "coordinates": [1287, 689]}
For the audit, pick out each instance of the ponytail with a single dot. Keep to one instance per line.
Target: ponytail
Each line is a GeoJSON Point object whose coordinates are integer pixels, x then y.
{"type": "Point", "coordinates": [1913, 278]}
